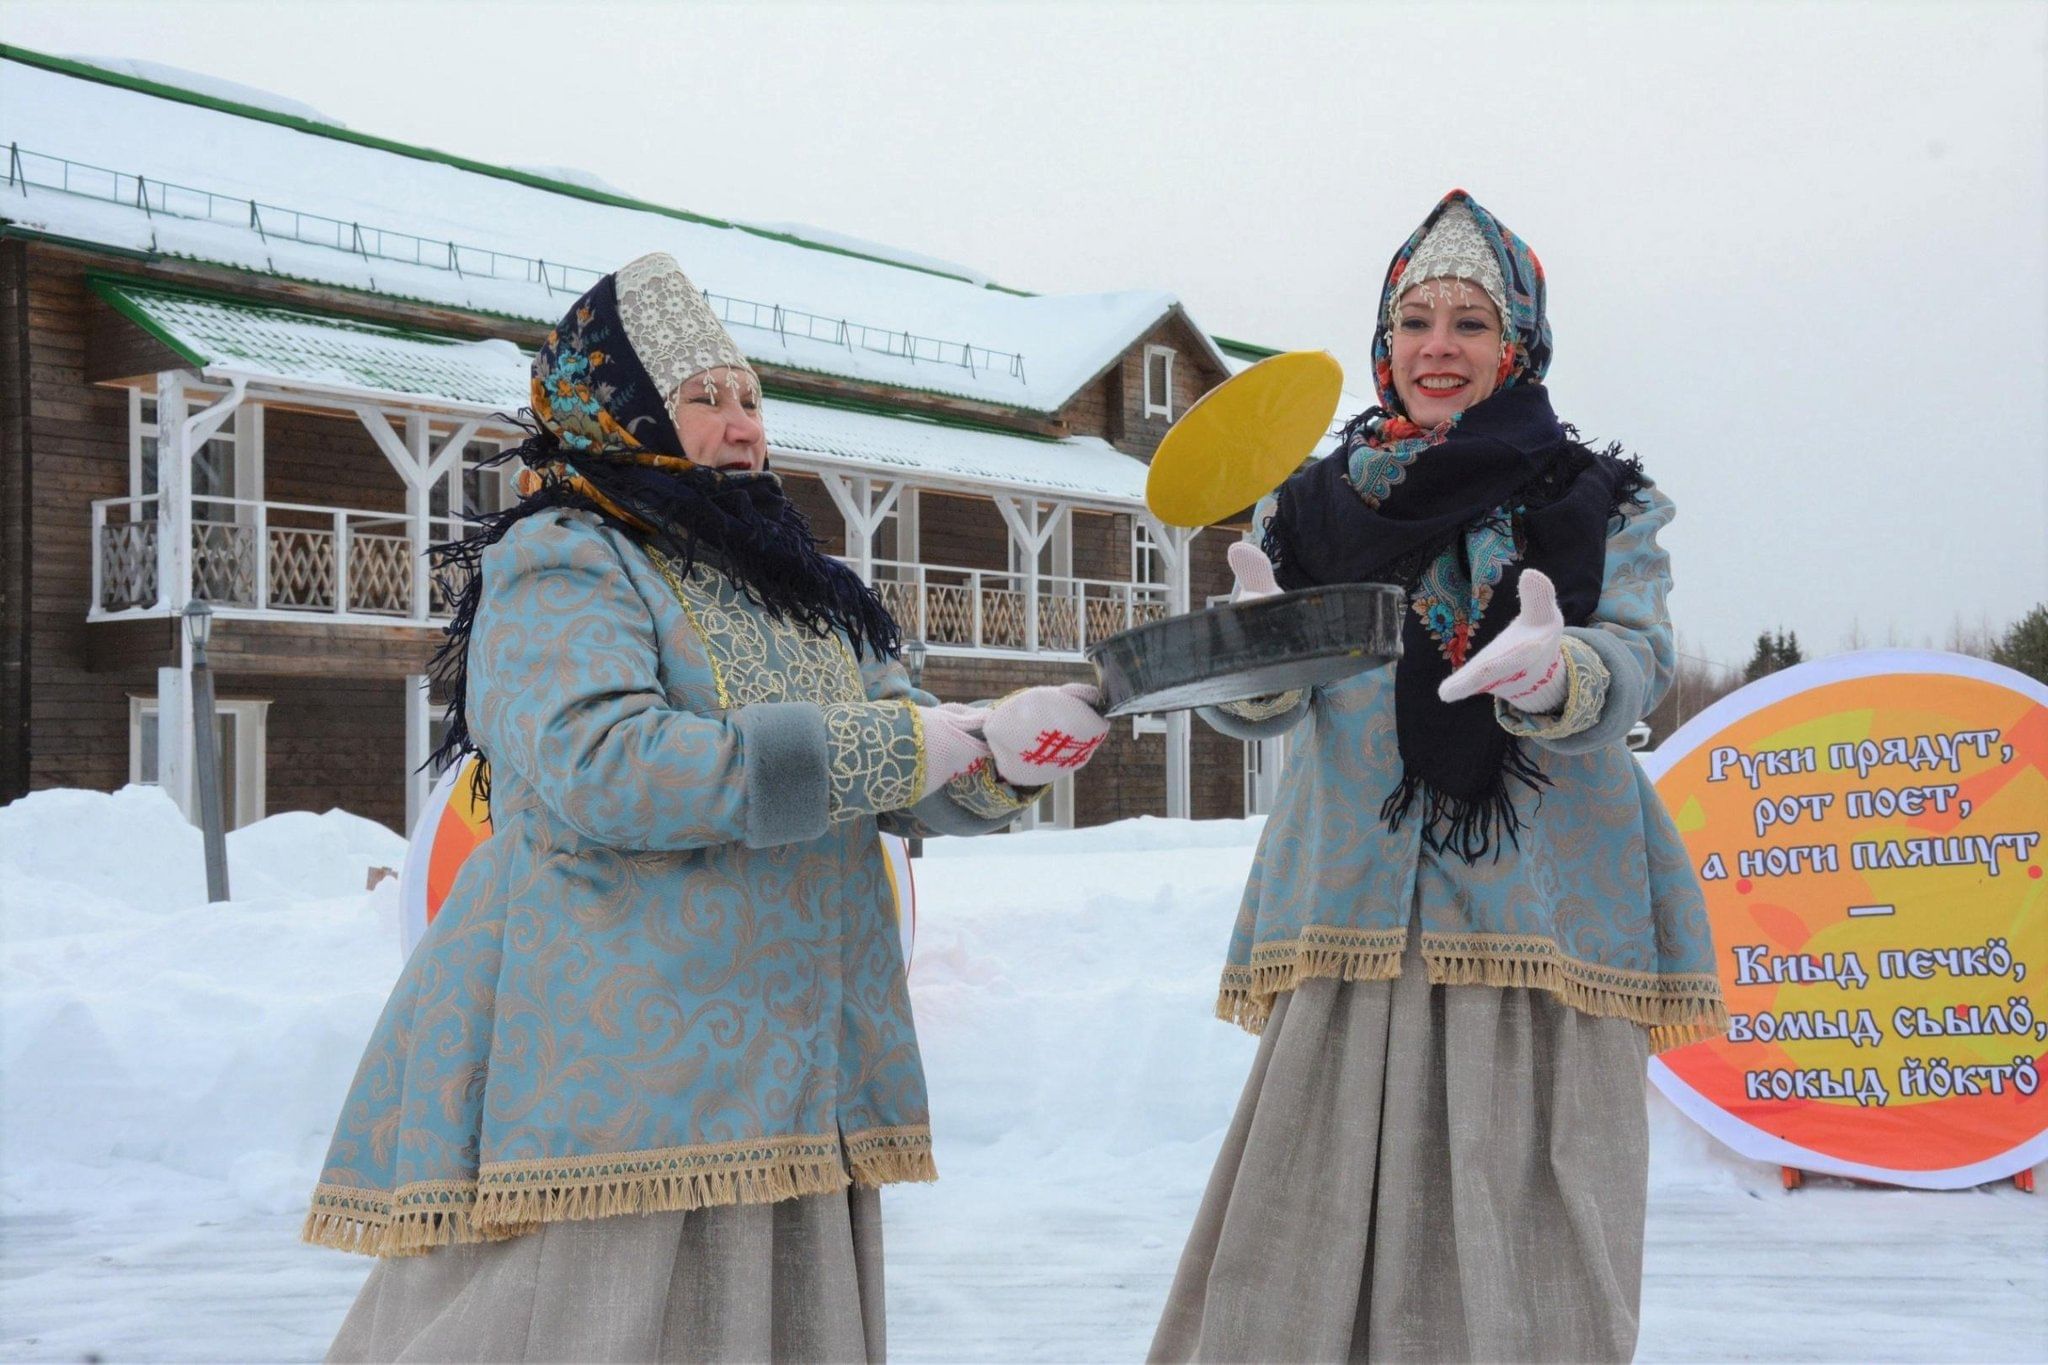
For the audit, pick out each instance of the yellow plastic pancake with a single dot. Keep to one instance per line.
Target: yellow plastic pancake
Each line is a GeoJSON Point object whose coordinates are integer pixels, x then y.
{"type": "Point", "coordinates": [1243, 438]}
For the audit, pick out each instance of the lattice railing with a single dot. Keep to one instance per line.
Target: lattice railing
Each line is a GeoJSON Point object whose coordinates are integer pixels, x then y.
{"type": "Point", "coordinates": [272, 557]}
{"type": "Point", "coordinates": [342, 562]}
{"type": "Point", "coordinates": [125, 554]}
{"type": "Point", "coordinates": [994, 610]}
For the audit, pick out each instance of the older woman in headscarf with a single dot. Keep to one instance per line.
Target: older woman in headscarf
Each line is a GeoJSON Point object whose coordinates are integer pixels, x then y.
{"type": "Point", "coordinates": [634, 1094]}
{"type": "Point", "coordinates": [1470, 918]}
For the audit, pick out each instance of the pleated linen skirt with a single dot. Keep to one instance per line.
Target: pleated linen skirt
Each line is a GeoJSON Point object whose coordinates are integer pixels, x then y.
{"type": "Point", "coordinates": [799, 1280]}
{"type": "Point", "coordinates": [1421, 1172]}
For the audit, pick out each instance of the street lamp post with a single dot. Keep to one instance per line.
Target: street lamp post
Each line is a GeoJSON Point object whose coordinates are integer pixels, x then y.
{"type": "Point", "coordinates": [206, 751]}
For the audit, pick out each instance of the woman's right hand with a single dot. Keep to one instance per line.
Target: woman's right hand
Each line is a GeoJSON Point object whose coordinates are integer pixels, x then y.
{"type": "Point", "coordinates": [1254, 573]}
{"type": "Point", "coordinates": [952, 743]}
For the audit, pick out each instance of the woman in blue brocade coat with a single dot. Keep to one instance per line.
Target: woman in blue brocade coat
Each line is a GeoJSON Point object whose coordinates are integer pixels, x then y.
{"type": "Point", "coordinates": [1470, 918]}
{"type": "Point", "coordinates": [634, 1094]}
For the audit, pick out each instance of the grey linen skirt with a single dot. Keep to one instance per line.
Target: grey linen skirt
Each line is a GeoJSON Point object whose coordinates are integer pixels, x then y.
{"type": "Point", "coordinates": [1421, 1172]}
{"type": "Point", "coordinates": [797, 1280]}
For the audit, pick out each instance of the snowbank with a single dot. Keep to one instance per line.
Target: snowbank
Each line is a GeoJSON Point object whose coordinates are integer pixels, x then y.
{"type": "Point", "coordinates": [172, 1071]}
{"type": "Point", "coordinates": [142, 1024]}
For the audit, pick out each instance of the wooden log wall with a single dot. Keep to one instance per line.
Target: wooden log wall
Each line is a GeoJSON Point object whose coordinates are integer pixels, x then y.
{"type": "Point", "coordinates": [336, 727]}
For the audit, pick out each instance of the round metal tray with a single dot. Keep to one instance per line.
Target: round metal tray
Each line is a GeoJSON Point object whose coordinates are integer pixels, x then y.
{"type": "Point", "coordinates": [1250, 649]}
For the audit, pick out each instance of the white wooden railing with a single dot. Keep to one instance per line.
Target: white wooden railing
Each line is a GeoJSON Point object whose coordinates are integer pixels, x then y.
{"type": "Point", "coordinates": [293, 559]}
{"type": "Point", "coordinates": [989, 609]}
{"type": "Point", "coordinates": [281, 557]}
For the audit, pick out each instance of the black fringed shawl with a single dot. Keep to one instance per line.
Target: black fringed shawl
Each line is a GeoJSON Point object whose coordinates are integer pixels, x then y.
{"type": "Point", "coordinates": [1508, 485]}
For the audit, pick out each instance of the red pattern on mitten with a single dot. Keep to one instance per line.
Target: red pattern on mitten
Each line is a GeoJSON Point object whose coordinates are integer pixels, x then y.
{"type": "Point", "coordinates": [1045, 733]}
{"type": "Point", "coordinates": [1524, 666]}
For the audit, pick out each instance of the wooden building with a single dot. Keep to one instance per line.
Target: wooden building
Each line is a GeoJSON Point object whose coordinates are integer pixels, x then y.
{"type": "Point", "coordinates": [254, 359]}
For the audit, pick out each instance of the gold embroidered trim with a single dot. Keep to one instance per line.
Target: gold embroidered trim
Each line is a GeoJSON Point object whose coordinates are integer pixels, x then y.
{"type": "Point", "coordinates": [1246, 997]}
{"type": "Point", "coordinates": [754, 656]}
{"type": "Point", "coordinates": [875, 759]}
{"type": "Point", "coordinates": [982, 794]}
{"type": "Point", "coordinates": [675, 585]}
{"type": "Point", "coordinates": [890, 1156]}
{"type": "Point", "coordinates": [1677, 1009]}
{"type": "Point", "coordinates": [1586, 681]}
{"type": "Point", "coordinates": [924, 766]}
{"type": "Point", "coordinates": [510, 1198]}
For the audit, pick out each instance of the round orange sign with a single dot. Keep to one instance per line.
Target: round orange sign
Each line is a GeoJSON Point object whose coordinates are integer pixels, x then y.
{"type": "Point", "coordinates": [1869, 832]}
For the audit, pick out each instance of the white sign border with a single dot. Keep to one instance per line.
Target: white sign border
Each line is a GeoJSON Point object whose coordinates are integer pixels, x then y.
{"type": "Point", "coordinates": [1741, 1135]}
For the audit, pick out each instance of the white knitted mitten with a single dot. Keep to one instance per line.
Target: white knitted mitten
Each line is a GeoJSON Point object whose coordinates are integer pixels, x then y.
{"type": "Point", "coordinates": [952, 743]}
{"type": "Point", "coordinates": [1254, 572]}
{"type": "Point", "coordinates": [1044, 733]}
{"type": "Point", "coordinates": [1524, 666]}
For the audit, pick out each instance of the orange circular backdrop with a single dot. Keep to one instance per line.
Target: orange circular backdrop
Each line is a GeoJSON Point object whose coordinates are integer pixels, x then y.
{"type": "Point", "coordinates": [1868, 831]}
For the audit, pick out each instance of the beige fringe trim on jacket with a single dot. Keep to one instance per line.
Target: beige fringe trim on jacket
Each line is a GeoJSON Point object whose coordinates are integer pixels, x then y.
{"type": "Point", "coordinates": [1676, 1009]}
{"type": "Point", "coordinates": [511, 1198]}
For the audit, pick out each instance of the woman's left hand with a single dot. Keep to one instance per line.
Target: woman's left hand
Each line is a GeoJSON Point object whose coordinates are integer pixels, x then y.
{"type": "Point", "coordinates": [1524, 666]}
{"type": "Point", "coordinates": [1045, 733]}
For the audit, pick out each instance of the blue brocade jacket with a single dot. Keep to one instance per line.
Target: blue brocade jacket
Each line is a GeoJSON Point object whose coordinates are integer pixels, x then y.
{"type": "Point", "coordinates": [1596, 903]}
{"type": "Point", "coordinates": [672, 976]}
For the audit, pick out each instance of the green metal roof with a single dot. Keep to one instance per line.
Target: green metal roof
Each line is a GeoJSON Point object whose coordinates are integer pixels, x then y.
{"type": "Point", "coordinates": [1243, 350]}
{"type": "Point", "coordinates": [289, 346]}
{"type": "Point", "coordinates": [225, 336]}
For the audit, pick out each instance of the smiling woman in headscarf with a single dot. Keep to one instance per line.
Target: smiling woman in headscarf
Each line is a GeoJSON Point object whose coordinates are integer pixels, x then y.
{"type": "Point", "coordinates": [1470, 917]}
{"type": "Point", "coordinates": [633, 1095]}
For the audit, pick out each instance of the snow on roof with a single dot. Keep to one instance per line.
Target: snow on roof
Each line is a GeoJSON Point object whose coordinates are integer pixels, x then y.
{"type": "Point", "coordinates": [570, 175]}
{"type": "Point", "coordinates": [295, 349]}
{"type": "Point", "coordinates": [249, 191]}
{"type": "Point", "coordinates": [347, 358]}
{"type": "Point", "coordinates": [1075, 467]}
{"type": "Point", "coordinates": [880, 250]}
{"type": "Point", "coordinates": [213, 87]}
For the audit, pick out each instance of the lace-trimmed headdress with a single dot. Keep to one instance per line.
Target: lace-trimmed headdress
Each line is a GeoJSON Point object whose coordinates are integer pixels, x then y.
{"type": "Point", "coordinates": [601, 438]}
{"type": "Point", "coordinates": [672, 327]}
{"type": "Point", "coordinates": [1453, 249]}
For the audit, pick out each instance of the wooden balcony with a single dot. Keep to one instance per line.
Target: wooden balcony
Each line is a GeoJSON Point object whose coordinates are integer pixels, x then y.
{"type": "Point", "coordinates": [275, 560]}
{"type": "Point", "coordinates": [982, 611]}
{"type": "Point", "coordinates": [283, 561]}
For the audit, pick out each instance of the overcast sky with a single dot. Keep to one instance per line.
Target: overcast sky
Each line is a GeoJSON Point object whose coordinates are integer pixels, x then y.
{"type": "Point", "coordinates": [1795, 251]}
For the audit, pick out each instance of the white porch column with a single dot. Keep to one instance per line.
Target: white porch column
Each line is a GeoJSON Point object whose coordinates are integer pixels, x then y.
{"type": "Point", "coordinates": [418, 503]}
{"type": "Point", "coordinates": [1174, 547]}
{"type": "Point", "coordinates": [179, 438]}
{"type": "Point", "coordinates": [1063, 803]}
{"type": "Point", "coordinates": [1031, 529]}
{"type": "Point", "coordinates": [419, 463]}
{"type": "Point", "coordinates": [909, 527]}
{"type": "Point", "coordinates": [864, 503]}
{"type": "Point", "coordinates": [418, 728]}
{"type": "Point", "coordinates": [174, 763]}
{"type": "Point", "coordinates": [1272, 758]}
{"type": "Point", "coordinates": [174, 498]}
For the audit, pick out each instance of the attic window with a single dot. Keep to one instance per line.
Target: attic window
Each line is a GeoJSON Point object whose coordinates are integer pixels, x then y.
{"type": "Point", "coordinates": [1159, 382]}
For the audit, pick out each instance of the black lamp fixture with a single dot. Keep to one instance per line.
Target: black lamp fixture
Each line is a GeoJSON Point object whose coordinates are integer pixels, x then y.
{"type": "Point", "coordinates": [199, 624]}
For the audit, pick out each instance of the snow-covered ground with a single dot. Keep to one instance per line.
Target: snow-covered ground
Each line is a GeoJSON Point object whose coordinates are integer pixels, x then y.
{"type": "Point", "coordinates": [171, 1069]}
